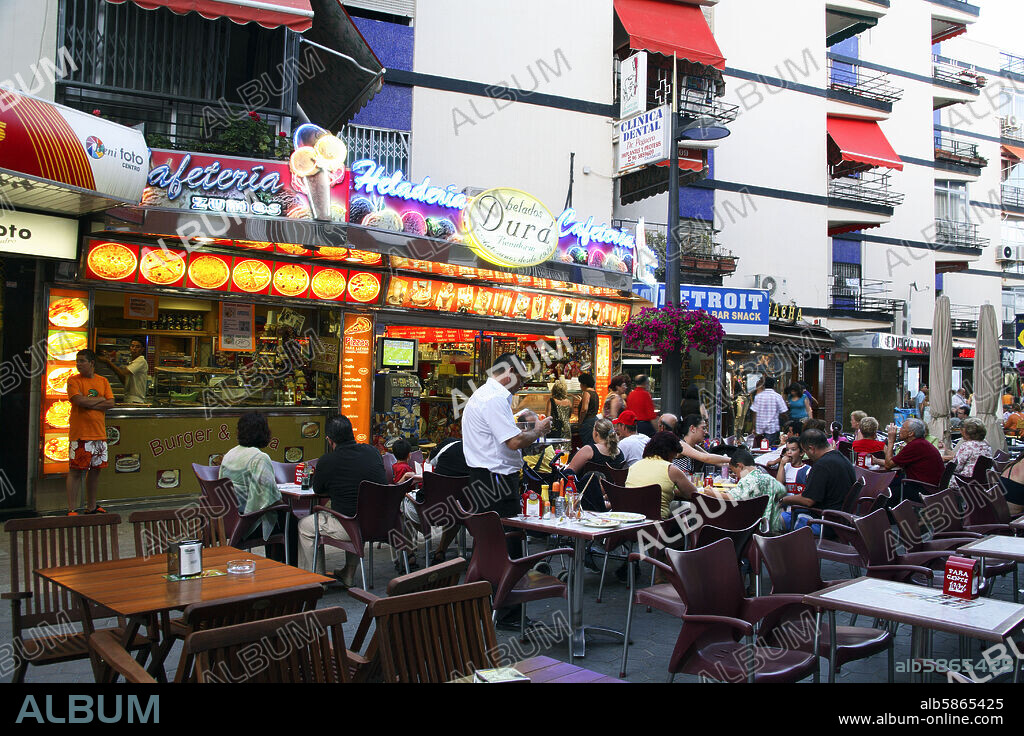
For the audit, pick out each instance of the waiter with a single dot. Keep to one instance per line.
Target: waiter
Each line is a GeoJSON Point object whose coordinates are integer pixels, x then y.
{"type": "Point", "coordinates": [135, 375]}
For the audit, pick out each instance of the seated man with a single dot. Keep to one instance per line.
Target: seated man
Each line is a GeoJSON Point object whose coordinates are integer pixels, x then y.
{"type": "Point", "coordinates": [667, 423]}
{"type": "Point", "coordinates": [338, 475]}
{"type": "Point", "coordinates": [829, 480]}
{"type": "Point", "coordinates": [753, 483]}
{"type": "Point", "coordinates": [962, 413]}
{"type": "Point", "coordinates": [631, 442]}
{"type": "Point", "coordinates": [919, 458]}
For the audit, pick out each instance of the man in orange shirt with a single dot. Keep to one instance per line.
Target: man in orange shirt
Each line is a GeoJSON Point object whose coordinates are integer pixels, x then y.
{"type": "Point", "coordinates": [91, 398]}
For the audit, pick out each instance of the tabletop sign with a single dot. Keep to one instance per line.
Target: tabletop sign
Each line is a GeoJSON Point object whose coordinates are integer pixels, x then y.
{"type": "Point", "coordinates": [963, 577]}
{"type": "Point", "coordinates": [237, 327]}
{"type": "Point", "coordinates": [185, 558]}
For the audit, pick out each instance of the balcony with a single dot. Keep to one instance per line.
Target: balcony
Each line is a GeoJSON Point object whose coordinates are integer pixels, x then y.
{"type": "Point", "coordinates": [862, 298]}
{"type": "Point", "coordinates": [849, 82]}
{"type": "Point", "coordinates": [958, 156]}
{"type": "Point", "coordinates": [703, 103]}
{"type": "Point", "coordinates": [1011, 127]}
{"type": "Point", "coordinates": [701, 256]}
{"type": "Point", "coordinates": [963, 319]}
{"type": "Point", "coordinates": [949, 72]}
{"type": "Point", "coordinates": [870, 187]}
{"type": "Point", "coordinates": [1012, 64]}
{"type": "Point", "coordinates": [1012, 197]}
{"type": "Point", "coordinates": [958, 234]}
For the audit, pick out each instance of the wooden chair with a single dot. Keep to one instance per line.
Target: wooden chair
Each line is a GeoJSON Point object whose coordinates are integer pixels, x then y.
{"type": "Point", "coordinates": [437, 635]}
{"type": "Point", "coordinates": [52, 542]}
{"type": "Point", "coordinates": [366, 667]}
{"type": "Point", "coordinates": [155, 529]}
{"type": "Point", "coordinates": [245, 652]}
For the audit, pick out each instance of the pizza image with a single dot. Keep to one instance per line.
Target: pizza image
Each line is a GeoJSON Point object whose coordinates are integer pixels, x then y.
{"type": "Point", "coordinates": [57, 380]}
{"type": "Point", "coordinates": [58, 415]}
{"type": "Point", "coordinates": [329, 283]}
{"type": "Point", "coordinates": [250, 275]}
{"type": "Point", "coordinates": [361, 325]}
{"type": "Point", "coordinates": [295, 250]}
{"type": "Point", "coordinates": [112, 261]}
{"type": "Point", "coordinates": [363, 287]}
{"type": "Point", "coordinates": [55, 449]}
{"type": "Point", "coordinates": [254, 244]}
{"type": "Point", "coordinates": [64, 345]}
{"type": "Point", "coordinates": [208, 272]}
{"type": "Point", "coordinates": [364, 256]}
{"type": "Point", "coordinates": [291, 280]}
{"type": "Point", "coordinates": [68, 312]}
{"type": "Point", "coordinates": [162, 266]}
{"type": "Point", "coordinates": [330, 251]}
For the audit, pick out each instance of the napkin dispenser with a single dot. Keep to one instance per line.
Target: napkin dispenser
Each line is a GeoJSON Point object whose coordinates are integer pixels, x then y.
{"type": "Point", "coordinates": [185, 558]}
{"type": "Point", "coordinates": [963, 577]}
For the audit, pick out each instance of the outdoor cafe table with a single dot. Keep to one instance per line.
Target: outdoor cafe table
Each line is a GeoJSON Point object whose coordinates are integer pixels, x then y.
{"type": "Point", "coordinates": [551, 671]}
{"type": "Point", "coordinates": [1001, 548]}
{"type": "Point", "coordinates": [924, 609]}
{"type": "Point", "coordinates": [581, 536]}
{"type": "Point", "coordinates": [300, 505]}
{"type": "Point", "coordinates": [136, 588]}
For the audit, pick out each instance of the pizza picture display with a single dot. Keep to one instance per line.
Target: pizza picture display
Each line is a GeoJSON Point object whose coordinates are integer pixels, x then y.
{"type": "Point", "coordinates": [363, 287]}
{"type": "Point", "coordinates": [291, 280]}
{"type": "Point", "coordinates": [65, 345]}
{"type": "Point", "coordinates": [112, 261]}
{"type": "Point", "coordinates": [162, 267]}
{"type": "Point", "coordinates": [329, 283]}
{"type": "Point", "coordinates": [55, 449]}
{"type": "Point", "coordinates": [68, 312]}
{"type": "Point", "coordinates": [58, 415]}
{"type": "Point", "coordinates": [295, 250]}
{"type": "Point", "coordinates": [57, 380]}
{"type": "Point", "coordinates": [251, 275]}
{"type": "Point", "coordinates": [208, 272]}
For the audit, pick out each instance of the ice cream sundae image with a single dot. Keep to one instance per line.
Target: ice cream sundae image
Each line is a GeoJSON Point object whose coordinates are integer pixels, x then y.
{"type": "Point", "coordinates": [317, 163]}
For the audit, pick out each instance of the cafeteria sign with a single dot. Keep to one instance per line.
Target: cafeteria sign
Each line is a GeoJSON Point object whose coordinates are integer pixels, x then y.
{"type": "Point", "coordinates": [511, 228]}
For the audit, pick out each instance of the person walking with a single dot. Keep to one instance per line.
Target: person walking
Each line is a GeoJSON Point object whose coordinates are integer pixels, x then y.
{"type": "Point", "coordinates": [767, 406]}
{"type": "Point", "coordinates": [641, 404]}
{"type": "Point", "coordinates": [91, 398]}
{"type": "Point", "coordinates": [590, 404]}
{"type": "Point", "coordinates": [799, 404]}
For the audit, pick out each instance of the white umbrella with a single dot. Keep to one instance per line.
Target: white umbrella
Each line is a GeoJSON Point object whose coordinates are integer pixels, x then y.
{"type": "Point", "coordinates": [940, 371]}
{"type": "Point", "coordinates": [988, 377]}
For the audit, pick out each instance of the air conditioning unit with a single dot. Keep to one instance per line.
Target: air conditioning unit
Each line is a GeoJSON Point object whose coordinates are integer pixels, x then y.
{"type": "Point", "coordinates": [770, 283]}
{"type": "Point", "coordinates": [1010, 253]}
{"type": "Point", "coordinates": [901, 321]}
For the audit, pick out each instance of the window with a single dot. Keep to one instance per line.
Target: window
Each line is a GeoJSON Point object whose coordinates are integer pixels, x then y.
{"type": "Point", "coordinates": [951, 201]}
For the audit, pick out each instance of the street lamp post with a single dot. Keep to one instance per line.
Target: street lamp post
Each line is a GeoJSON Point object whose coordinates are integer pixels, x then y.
{"type": "Point", "coordinates": [672, 365]}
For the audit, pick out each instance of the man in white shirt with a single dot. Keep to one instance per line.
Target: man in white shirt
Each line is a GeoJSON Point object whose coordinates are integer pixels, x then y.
{"type": "Point", "coordinates": [767, 406]}
{"type": "Point", "coordinates": [957, 400]}
{"type": "Point", "coordinates": [631, 442]}
{"type": "Point", "coordinates": [135, 375]}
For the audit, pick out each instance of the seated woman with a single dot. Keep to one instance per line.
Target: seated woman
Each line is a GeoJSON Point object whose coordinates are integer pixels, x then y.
{"type": "Point", "coordinates": [656, 468]}
{"type": "Point", "coordinates": [603, 448]}
{"type": "Point", "coordinates": [251, 473]}
{"type": "Point", "coordinates": [693, 430]}
{"type": "Point", "coordinates": [1012, 480]}
{"type": "Point", "coordinates": [971, 447]}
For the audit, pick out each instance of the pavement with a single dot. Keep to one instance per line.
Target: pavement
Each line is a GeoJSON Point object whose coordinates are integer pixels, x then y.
{"type": "Point", "coordinates": [653, 634]}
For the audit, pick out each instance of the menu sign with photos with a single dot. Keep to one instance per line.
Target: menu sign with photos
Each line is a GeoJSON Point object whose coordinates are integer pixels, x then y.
{"type": "Point", "coordinates": [237, 327]}
{"type": "Point", "coordinates": [357, 373]}
{"type": "Point", "coordinates": [67, 321]}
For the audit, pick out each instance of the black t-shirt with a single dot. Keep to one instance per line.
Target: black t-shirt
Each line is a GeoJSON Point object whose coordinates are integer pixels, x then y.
{"type": "Point", "coordinates": [450, 459]}
{"type": "Point", "coordinates": [618, 461]}
{"type": "Point", "coordinates": [829, 480]}
{"type": "Point", "coordinates": [339, 473]}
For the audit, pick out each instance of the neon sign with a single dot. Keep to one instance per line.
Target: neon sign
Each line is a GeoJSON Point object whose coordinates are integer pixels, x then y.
{"type": "Point", "coordinates": [587, 232]}
{"type": "Point", "coordinates": [212, 177]}
{"type": "Point", "coordinates": [371, 177]}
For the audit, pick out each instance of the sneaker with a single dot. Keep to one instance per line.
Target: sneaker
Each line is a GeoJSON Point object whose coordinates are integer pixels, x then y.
{"type": "Point", "coordinates": [97, 510]}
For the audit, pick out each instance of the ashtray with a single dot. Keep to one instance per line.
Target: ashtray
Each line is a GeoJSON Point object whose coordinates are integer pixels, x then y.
{"type": "Point", "coordinates": [241, 567]}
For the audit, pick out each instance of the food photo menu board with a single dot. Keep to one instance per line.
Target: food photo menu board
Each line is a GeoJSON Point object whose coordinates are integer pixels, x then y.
{"type": "Point", "coordinates": [67, 332]}
{"type": "Point", "coordinates": [357, 373]}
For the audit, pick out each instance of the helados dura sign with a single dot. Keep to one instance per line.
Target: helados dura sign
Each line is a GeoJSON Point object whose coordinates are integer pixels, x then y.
{"type": "Point", "coordinates": [509, 227]}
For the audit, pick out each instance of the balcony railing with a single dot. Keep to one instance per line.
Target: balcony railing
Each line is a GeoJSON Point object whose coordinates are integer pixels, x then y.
{"type": "Point", "coordinates": [698, 248]}
{"type": "Point", "coordinates": [963, 318]}
{"type": "Point", "coordinates": [959, 234]}
{"type": "Point", "coordinates": [955, 72]}
{"type": "Point", "coordinates": [1012, 127]}
{"type": "Point", "coordinates": [1011, 63]}
{"type": "Point", "coordinates": [861, 82]}
{"type": "Point", "coordinates": [1013, 196]}
{"type": "Point", "coordinates": [958, 154]}
{"type": "Point", "coordinates": [698, 103]}
{"type": "Point", "coordinates": [871, 187]}
{"type": "Point", "coordinates": [862, 295]}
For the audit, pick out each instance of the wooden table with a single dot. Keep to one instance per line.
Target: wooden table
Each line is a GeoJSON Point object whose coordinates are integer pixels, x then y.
{"type": "Point", "coordinates": [1000, 547]}
{"type": "Point", "coordinates": [135, 588]}
{"type": "Point", "coordinates": [581, 536]}
{"type": "Point", "coordinates": [924, 609]}
{"type": "Point", "coordinates": [548, 670]}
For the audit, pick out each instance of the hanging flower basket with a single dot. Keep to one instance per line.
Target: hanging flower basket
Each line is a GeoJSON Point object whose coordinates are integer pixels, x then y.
{"type": "Point", "coordinates": [673, 329]}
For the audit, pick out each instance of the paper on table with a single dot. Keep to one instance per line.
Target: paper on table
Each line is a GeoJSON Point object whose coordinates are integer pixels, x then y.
{"type": "Point", "coordinates": [419, 468]}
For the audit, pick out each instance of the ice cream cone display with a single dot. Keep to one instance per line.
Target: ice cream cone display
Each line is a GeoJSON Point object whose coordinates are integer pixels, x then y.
{"type": "Point", "coordinates": [318, 159]}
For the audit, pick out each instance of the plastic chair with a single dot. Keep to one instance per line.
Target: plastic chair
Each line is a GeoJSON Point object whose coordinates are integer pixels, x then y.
{"type": "Point", "coordinates": [206, 472]}
{"type": "Point", "coordinates": [437, 635]}
{"type": "Point", "coordinates": [440, 494]}
{"type": "Point", "coordinates": [378, 519]}
{"type": "Point", "coordinates": [876, 488]}
{"type": "Point", "coordinates": [615, 475]}
{"type": "Point", "coordinates": [718, 615]}
{"type": "Point", "coordinates": [244, 531]}
{"type": "Point", "coordinates": [514, 582]}
{"type": "Point", "coordinates": [645, 500]}
{"type": "Point", "coordinates": [740, 538]}
{"type": "Point", "coordinates": [725, 514]}
{"type": "Point", "coordinates": [366, 667]}
{"type": "Point", "coordinates": [285, 472]}
{"type": "Point", "coordinates": [155, 529]}
{"type": "Point", "coordinates": [882, 560]}
{"type": "Point", "coordinates": [794, 570]}
{"type": "Point", "coordinates": [35, 602]}
{"type": "Point", "coordinates": [389, 465]}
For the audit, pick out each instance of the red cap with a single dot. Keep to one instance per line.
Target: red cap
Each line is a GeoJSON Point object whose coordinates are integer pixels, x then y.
{"type": "Point", "coordinates": [627, 417]}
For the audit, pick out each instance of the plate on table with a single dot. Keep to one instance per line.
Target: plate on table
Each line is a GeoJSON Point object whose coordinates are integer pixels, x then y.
{"type": "Point", "coordinates": [598, 522]}
{"type": "Point", "coordinates": [625, 517]}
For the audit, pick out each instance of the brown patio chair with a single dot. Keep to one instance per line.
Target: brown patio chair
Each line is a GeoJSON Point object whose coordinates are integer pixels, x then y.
{"type": "Point", "coordinates": [206, 472]}
{"type": "Point", "coordinates": [244, 531]}
{"type": "Point", "coordinates": [645, 500]}
{"type": "Point", "coordinates": [615, 475]}
{"type": "Point", "coordinates": [440, 493]}
{"type": "Point", "coordinates": [882, 560]}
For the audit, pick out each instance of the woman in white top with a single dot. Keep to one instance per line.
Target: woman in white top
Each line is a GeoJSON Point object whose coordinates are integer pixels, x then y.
{"type": "Point", "coordinates": [694, 430]}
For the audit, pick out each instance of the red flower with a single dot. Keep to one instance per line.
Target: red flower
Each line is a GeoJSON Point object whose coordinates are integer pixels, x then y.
{"type": "Point", "coordinates": [283, 134]}
{"type": "Point", "coordinates": [96, 112]}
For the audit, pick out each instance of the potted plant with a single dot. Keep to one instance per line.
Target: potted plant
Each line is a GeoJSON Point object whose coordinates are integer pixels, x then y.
{"type": "Point", "coordinates": [673, 329]}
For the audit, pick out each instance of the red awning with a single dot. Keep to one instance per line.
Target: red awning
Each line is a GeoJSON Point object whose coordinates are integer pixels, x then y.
{"type": "Point", "coordinates": [685, 164]}
{"type": "Point", "coordinates": [667, 28]}
{"type": "Point", "coordinates": [1013, 152]}
{"type": "Point", "coordinates": [296, 14]}
{"type": "Point", "coordinates": [863, 142]}
{"type": "Point", "coordinates": [855, 227]}
{"type": "Point", "coordinates": [951, 32]}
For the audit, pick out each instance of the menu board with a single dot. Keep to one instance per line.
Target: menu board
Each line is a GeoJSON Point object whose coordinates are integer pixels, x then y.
{"type": "Point", "coordinates": [237, 327]}
{"type": "Point", "coordinates": [249, 273]}
{"type": "Point", "coordinates": [67, 322]}
{"type": "Point", "coordinates": [603, 364]}
{"type": "Point", "coordinates": [357, 373]}
{"type": "Point", "coordinates": [443, 296]}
